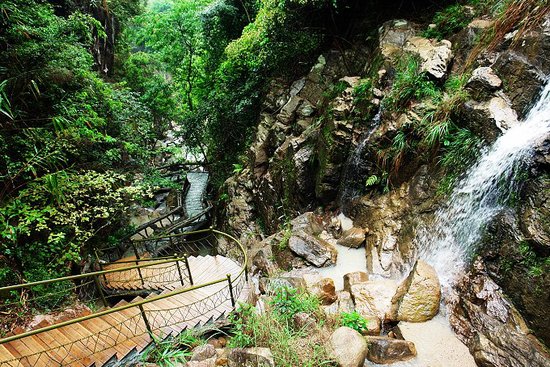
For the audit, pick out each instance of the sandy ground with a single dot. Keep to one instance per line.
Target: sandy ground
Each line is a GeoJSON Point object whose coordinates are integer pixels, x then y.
{"type": "Point", "coordinates": [349, 260]}
{"type": "Point", "coordinates": [436, 344]}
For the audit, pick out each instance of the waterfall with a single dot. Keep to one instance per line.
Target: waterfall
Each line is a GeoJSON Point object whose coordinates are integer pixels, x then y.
{"type": "Point", "coordinates": [449, 243]}
{"type": "Point", "coordinates": [194, 200]}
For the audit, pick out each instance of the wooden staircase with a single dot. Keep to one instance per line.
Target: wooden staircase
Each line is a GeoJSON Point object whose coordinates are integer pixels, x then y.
{"type": "Point", "coordinates": [113, 336]}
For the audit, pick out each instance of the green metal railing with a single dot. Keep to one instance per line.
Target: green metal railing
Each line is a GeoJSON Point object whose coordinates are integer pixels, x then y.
{"type": "Point", "coordinates": [155, 321]}
{"type": "Point", "coordinates": [153, 243]}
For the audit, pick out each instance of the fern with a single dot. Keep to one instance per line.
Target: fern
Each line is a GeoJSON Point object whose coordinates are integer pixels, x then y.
{"type": "Point", "coordinates": [372, 180]}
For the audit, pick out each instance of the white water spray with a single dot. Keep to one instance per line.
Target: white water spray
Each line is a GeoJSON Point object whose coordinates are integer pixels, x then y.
{"type": "Point", "coordinates": [450, 241]}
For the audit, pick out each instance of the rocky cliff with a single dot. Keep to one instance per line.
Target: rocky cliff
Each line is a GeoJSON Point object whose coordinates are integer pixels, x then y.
{"type": "Point", "coordinates": [329, 142]}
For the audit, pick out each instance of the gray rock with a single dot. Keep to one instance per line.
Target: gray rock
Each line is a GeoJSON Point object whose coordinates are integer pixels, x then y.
{"type": "Point", "coordinates": [288, 112]}
{"type": "Point", "coordinates": [491, 326]}
{"type": "Point", "coordinates": [354, 238]}
{"type": "Point", "coordinates": [306, 109]}
{"type": "Point", "coordinates": [308, 222]}
{"type": "Point", "coordinates": [393, 36]}
{"type": "Point", "coordinates": [262, 262]}
{"type": "Point", "coordinates": [489, 118]}
{"type": "Point", "coordinates": [483, 81]}
{"type": "Point", "coordinates": [522, 79]}
{"type": "Point", "coordinates": [315, 251]}
{"type": "Point", "coordinates": [347, 347]}
{"type": "Point", "coordinates": [203, 352]}
{"type": "Point", "coordinates": [250, 357]}
{"type": "Point", "coordinates": [384, 350]}
{"type": "Point", "coordinates": [436, 56]}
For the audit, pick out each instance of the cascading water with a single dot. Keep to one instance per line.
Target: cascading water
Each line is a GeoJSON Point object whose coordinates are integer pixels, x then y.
{"type": "Point", "coordinates": [355, 172]}
{"type": "Point", "coordinates": [450, 241]}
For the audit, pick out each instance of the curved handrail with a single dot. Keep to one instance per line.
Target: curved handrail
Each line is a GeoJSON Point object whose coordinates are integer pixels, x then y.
{"type": "Point", "coordinates": [243, 271]}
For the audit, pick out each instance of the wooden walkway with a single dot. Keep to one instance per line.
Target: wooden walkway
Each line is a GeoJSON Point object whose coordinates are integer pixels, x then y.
{"type": "Point", "coordinates": [113, 336]}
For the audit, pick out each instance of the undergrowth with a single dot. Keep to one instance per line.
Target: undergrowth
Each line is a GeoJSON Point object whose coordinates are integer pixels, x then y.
{"type": "Point", "coordinates": [291, 346]}
{"type": "Point", "coordinates": [432, 131]}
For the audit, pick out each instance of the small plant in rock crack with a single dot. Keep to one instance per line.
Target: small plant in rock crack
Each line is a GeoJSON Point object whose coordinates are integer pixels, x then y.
{"type": "Point", "coordinates": [355, 321]}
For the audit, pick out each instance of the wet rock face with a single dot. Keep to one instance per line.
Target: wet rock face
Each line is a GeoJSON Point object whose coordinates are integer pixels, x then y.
{"type": "Point", "coordinates": [491, 326]}
{"type": "Point", "coordinates": [489, 118]}
{"type": "Point", "coordinates": [391, 219]}
{"type": "Point", "coordinates": [522, 80]}
{"type": "Point", "coordinates": [518, 264]}
{"type": "Point", "coordinates": [534, 213]}
{"type": "Point", "coordinates": [417, 298]}
{"type": "Point", "coordinates": [524, 65]}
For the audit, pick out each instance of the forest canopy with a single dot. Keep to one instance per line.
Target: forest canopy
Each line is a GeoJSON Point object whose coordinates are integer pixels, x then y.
{"type": "Point", "coordinates": [87, 89]}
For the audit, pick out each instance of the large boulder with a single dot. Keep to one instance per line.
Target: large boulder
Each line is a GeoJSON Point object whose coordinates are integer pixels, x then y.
{"type": "Point", "coordinates": [417, 298]}
{"type": "Point", "coordinates": [308, 222]}
{"type": "Point", "coordinates": [250, 357]}
{"type": "Point", "coordinates": [347, 347]}
{"type": "Point", "coordinates": [384, 350]}
{"type": "Point", "coordinates": [370, 306]}
{"type": "Point", "coordinates": [483, 81]}
{"type": "Point", "coordinates": [315, 251]}
{"type": "Point", "coordinates": [377, 294]}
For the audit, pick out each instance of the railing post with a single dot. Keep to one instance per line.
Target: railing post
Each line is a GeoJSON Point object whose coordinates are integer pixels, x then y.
{"type": "Point", "coordinates": [179, 269]}
{"type": "Point", "coordinates": [231, 290]}
{"type": "Point", "coordinates": [135, 250]}
{"type": "Point", "coordinates": [100, 265]}
{"type": "Point", "coordinates": [147, 325]}
{"type": "Point", "coordinates": [100, 290]}
{"type": "Point", "coordinates": [188, 268]}
{"type": "Point", "coordinates": [137, 263]}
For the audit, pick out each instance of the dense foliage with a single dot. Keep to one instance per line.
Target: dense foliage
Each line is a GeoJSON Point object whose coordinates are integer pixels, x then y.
{"type": "Point", "coordinates": [76, 118]}
{"type": "Point", "coordinates": [63, 130]}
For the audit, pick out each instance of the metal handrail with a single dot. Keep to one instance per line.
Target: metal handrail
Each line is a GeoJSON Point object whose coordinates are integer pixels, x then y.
{"type": "Point", "coordinates": [106, 312]}
{"type": "Point", "coordinates": [89, 275]}
{"type": "Point", "coordinates": [130, 305]}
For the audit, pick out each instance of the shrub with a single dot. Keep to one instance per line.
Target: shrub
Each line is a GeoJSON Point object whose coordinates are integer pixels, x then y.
{"type": "Point", "coordinates": [449, 21]}
{"type": "Point", "coordinates": [409, 84]}
{"type": "Point", "coordinates": [290, 346]}
{"type": "Point", "coordinates": [355, 321]}
{"type": "Point", "coordinates": [286, 302]}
